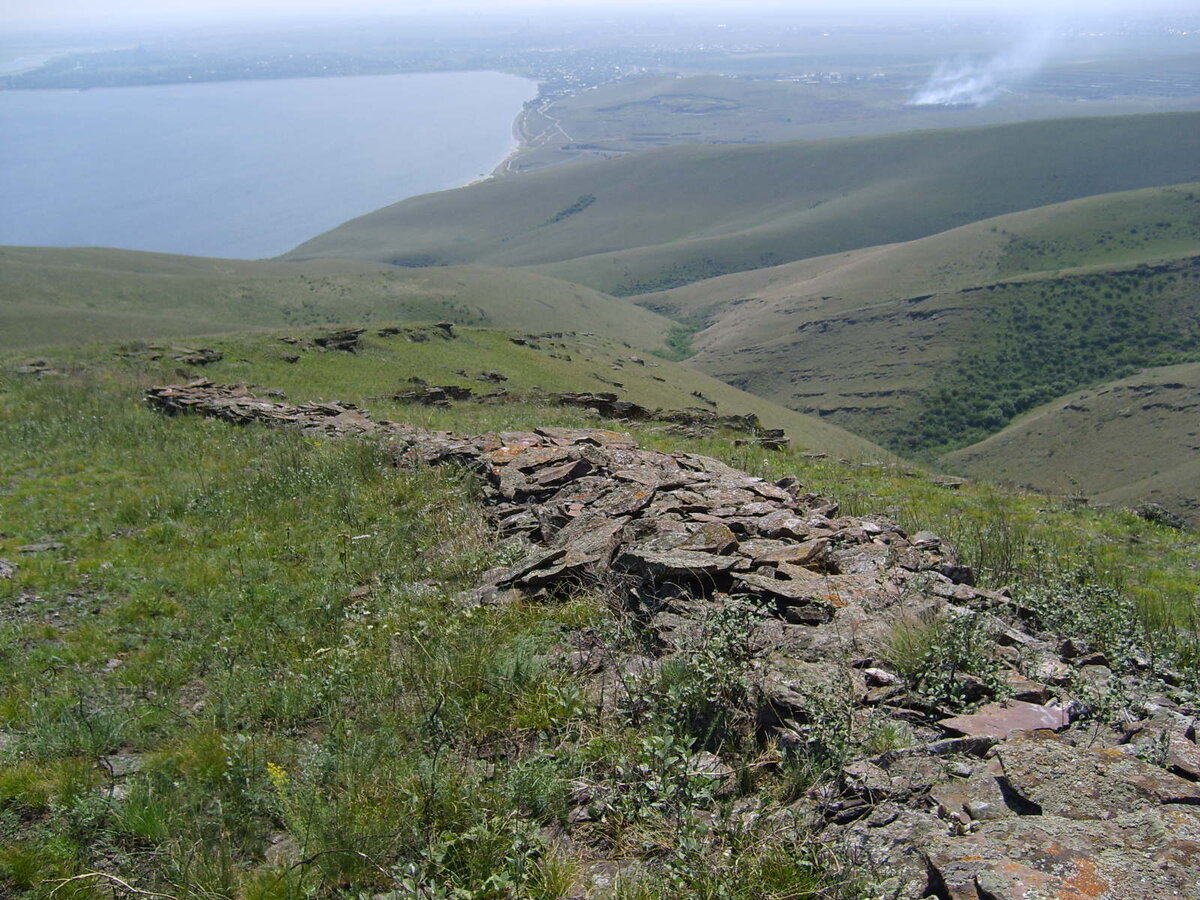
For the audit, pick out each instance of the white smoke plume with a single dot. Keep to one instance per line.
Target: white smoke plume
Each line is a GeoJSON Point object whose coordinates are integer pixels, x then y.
{"type": "Point", "coordinates": [965, 82]}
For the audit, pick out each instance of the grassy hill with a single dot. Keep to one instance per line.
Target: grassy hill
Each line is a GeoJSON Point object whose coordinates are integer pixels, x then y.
{"type": "Point", "coordinates": [52, 296]}
{"type": "Point", "coordinates": [681, 214]}
{"type": "Point", "coordinates": [941, 341]}
{"type": "Point", "coordinates": [238, 662]}
{"type": "Point", "coordinates": [1124, 442]}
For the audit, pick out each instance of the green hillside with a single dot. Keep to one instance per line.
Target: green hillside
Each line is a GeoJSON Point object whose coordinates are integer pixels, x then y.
{"type": "Point", "coordinates": [1125, 442]}
{"type": "Point", "coordinates": [388, 358]}
{"type": "Point", "coordinates": [681, 214]}
{"type": "Point", "coordinates": [939, 342]}
{"type": "Point", "coordinates": [52, 296]}
{"type": "Point", "coordinates": [1108, 229]}
{"type": "Point", "coordinates": [262, 664]}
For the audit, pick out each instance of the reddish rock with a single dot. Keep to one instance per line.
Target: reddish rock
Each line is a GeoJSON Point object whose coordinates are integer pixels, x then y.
{"type": "Point", "coordinates": [1002, 719]}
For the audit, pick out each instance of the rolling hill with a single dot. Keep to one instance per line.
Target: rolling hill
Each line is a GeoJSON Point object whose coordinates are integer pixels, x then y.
{"type": "Point", "coordinates": [1124, 442]}
{"type": "Point", "coordinates": [938, 342]}
{"type": "Point", "coordinates": [53, 296]}
{"type": "Point", "coordinates": [678, 215]}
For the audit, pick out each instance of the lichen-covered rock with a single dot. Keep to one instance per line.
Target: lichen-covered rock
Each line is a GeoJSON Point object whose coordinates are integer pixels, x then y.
{"type": "Point", "coordinates": [1083, 783]}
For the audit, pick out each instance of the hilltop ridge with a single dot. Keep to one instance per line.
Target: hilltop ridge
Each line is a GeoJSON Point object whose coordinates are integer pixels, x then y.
{"type": "Point", "coordinates": [710, 553]}
{"type": "Point", "coordinates": [584, 655]}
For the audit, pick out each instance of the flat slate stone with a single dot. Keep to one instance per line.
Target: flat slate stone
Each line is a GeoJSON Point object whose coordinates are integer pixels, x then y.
{"type": "Point", "coordinates": [553, 476]}
{"type": "Point", "coordinates": [711, 537]}
{"type": "Point", "coordinates": [807, 553]}
{"type": "Point", "coordinates": [999, 720]}
{"type": "Point", "coordinates": [795, 592]}
{"type": "Point", "coordinates": [673, 563]}
{"type": "Point", "coordinates": [41, 547]}
{"type": "Point", "coordinates": [539, 559]}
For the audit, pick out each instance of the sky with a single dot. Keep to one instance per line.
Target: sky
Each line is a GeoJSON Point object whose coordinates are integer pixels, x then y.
{"type": "Point", "coordinates": [90, 12]}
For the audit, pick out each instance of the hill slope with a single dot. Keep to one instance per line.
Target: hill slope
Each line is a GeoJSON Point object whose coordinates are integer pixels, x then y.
{"type": "Point", "coordinates": [943, 340]}
{"type": "Point", "coordinates": [678, 215]}
{"type": "Point", "coordinates": [524, 368]}
{"type": "Point", "coordinates": [467, 740]}
{"type": "Point", "coordinates": [52, 296]}
{"type": "Point", "coordinates": [1125, 442]}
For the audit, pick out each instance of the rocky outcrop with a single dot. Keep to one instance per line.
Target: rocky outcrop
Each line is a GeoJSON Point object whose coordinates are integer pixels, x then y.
{"type": "Point", "coordinates": [434, 395]}
{"type": "Point", "coordinates": [202, 357]}
{"type": "Point", "coordinates": [346, 339]}
{"type": "Point", "coordinates": [236, 404]}
{"type": "Point", "coordinates": [1002, 785]}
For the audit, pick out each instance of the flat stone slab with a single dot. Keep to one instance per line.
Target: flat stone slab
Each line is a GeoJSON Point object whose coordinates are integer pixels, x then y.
{"type": "Point", "coordinates": [41, 547]}
{"type": "Point", "coordinates": [673, 563]}
{"type": "Point", "coordinates": [808, 553]}
{"type": "Point", "coordinates": [790, 591]}
{"type": "Point", "coordinates": [1143, 856]}
{"type": "Point", "coordinates": [999, 720]}
{"type": "Point", "coordinates": [1082, 783]}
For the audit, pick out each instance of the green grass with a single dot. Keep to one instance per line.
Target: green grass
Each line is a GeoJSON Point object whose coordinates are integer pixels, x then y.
{"type": "Point", "coordinates": [683, 214]}
{"type": "Point", "coordinates": [679, 343]}
{"type": "Point", "coordinates": [206, 618]}
{"type": "Point", "coordinates": [266, 624]}
{"type": "Point", "coordinates": [1118, 229]}
{"type": "Point", "coordinates": [53, 296]}
{"type": "Point", "coordinates": [541, 366]}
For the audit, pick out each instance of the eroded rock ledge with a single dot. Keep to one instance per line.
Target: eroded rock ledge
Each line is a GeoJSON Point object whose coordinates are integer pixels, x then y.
{"type": "Point", "coordinates": [1026, 796]}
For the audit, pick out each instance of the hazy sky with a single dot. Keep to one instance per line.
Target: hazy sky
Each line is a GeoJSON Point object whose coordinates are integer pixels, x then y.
{"type": "Point", "coordinates": [66, 12]}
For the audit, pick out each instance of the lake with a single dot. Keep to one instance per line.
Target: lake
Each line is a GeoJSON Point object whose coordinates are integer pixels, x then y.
{"type": "Point", "coordinates": [243, 169]}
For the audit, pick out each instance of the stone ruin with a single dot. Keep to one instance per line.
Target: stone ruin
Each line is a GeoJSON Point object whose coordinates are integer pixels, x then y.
{"type": "Point", "coordinates": [1025, 797]}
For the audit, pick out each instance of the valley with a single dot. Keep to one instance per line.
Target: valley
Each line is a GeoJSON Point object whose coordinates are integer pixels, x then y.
{"type": "Point", "coordinates": [1031, 301]}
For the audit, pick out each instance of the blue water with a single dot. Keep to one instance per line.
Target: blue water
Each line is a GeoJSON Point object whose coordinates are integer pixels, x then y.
{"type": "Point", "coordinates": [241, 169]}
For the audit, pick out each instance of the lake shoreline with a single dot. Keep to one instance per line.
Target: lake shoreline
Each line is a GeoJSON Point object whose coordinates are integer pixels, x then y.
{"type": "Point", "coordinates": [242, 170]}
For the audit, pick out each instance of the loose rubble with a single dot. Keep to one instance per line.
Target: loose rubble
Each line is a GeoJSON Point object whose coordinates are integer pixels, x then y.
{"type": "Point", "coordinates": [1024, 797]}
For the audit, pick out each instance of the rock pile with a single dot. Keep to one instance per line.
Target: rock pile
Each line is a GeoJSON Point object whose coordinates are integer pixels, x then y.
{"type": "Point", "coordinates": [606, 404]}
{"type": "Point", "coordinates": [693, 422]}
{"type": "Point", "coordinates": [1024, 797]}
